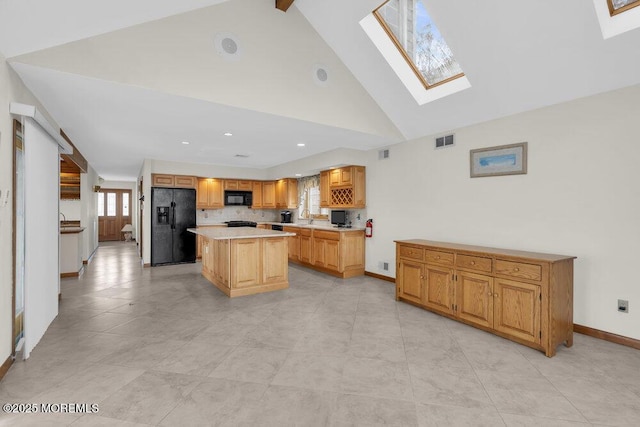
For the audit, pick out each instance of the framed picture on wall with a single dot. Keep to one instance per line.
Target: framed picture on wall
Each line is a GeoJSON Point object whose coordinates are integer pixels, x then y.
{"type": "Point", "coordinates": [501, 160]}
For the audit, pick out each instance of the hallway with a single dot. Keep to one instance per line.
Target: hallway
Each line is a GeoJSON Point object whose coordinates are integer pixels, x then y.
{"type": "Point", "coordinates": [162, 346]}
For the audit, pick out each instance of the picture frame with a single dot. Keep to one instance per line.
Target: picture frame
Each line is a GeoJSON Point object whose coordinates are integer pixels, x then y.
{"type": "Point", "coordinates": [499, 160]}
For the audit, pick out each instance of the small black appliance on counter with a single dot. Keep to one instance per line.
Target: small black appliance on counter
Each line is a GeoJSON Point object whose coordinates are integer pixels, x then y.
{"type": "Point", "coordinates": [285, 217]}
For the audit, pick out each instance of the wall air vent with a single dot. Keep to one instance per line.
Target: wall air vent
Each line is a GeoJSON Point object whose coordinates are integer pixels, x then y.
{"type": "Point", "coordinates": [242, 156]}
{"type": "Point", "coordinates": [383, 154]}
{"type": "Point", "coordinates": [444, 141]}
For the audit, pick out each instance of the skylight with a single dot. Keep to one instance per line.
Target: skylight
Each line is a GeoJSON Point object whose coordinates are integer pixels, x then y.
{"type": "Point", "coordinates": [619, 6]}
{"type": "Point", "coordinates": [414, 33]}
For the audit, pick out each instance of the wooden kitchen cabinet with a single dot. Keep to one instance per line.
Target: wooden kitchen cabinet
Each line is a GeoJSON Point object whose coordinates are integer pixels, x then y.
{"type": "Point", "coordinates": [269, 194]}
{"type": "Point", "coordinates": [173, 181]}
{"type": "Point", "coordinates": [339, 253]}
{"type": "Point", "coordinates": [294, 243]}
{"type": "Point", "coordinates": [200, 240]}
{"type": "Point", "coordinates": [287, 193]}
{"type": "Point", "coordinates": [343, 188]}
{"type": "Point", "coordinates": [325, 198]}
{"type": "Point", "coordinates": [210, 193]}
{"type": "Point", "coordinates": [305, 242]}
{"type": "Point", "coordinates": [256, 200]}
{"type": "Point", "coordinates": [238, 184]}
{"type": "Point", "coordinates": [526, 297]}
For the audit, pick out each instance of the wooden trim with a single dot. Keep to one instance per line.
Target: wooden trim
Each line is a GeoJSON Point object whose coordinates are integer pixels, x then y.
{"type": "Point", "coordinates": [72, 274]}
{"type": "Point", "coordinates": [17, 127]}
{"type": "Point", "coordinates": [380, 276]}
{"type": "Point", "coordinates": [283, 5]}
{"type": "Point", "coordinates": [6, 365]}
{"type": "Point", "coordinates": [614, 12]}
{"type": "Point", "coordinates": [607, 336]}
{"type": "Point", "coordinates": [59, 296]}
{"type": "Point", "coordinates": [76, 157]}
{"type": "Point", "coordinates": [146, 265]}
{"type": "Point", "coordinates": [87, 261]}
{"type": "Point", "coordinates": [404, 54]}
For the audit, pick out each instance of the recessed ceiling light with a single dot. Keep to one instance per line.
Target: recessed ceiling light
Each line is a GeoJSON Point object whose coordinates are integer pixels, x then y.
{"type": "Point", "coordinates": [298, 174]}
{"type": "Point", "coordinates": [228, 134]}
{"type": "Point", "coordinates": [185, 142]}
{"type": "Point", "coordinates": [301, 145]}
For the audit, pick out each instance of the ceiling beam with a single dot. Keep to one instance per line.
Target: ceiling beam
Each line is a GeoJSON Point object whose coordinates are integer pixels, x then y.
{"type": "Point", "coordinates": [283, 5]}
{"type": "Point", "coordinates": [76, 158]}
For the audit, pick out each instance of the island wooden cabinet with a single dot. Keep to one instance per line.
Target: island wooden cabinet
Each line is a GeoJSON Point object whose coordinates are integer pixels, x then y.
{"type": "Point", "coordinates": [243, 265]}
{"type": "Point", "coordinates": [210, 193]}
{"type": "Point", "coordinates": [173, 181]}
{"type": "Point", "coordinates": [523, 296]}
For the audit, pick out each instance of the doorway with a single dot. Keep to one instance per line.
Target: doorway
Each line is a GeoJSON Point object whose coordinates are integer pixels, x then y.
{"type": "Point", "coordinates": [114, 211]}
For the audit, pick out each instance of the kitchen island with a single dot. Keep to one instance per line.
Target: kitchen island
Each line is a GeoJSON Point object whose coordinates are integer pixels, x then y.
{"type": "Point", "coordinates": [243, 260]}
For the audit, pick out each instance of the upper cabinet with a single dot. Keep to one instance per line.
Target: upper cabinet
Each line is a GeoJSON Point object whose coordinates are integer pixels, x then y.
{"type": "Point", "coordinates": [174, 181]}
{"type": "Point", "coordinates": [287, 193]}
{"type": "Point", "coordinates": [237, 184]}
{"type": "Point", "coordinates": [343, 187]}
{"type": "Point", "coordinates": [324, 189]}
{"type": "Point", "coordinates": [268, 195]}
{"type": "Point", "coordinates": [256, 201]}
{"type": "Point", "coordinates": [210, 193]}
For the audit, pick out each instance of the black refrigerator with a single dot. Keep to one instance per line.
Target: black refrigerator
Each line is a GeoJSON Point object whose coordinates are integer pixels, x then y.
{"type": "Point", "coordinates": [173, 210]}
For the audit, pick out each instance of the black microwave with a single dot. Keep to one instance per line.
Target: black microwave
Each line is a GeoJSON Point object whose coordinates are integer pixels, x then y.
{"type": "Point", "coordinates": [238, 198]}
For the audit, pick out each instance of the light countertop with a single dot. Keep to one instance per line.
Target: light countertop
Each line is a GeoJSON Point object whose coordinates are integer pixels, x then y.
{"type": "Point", "coordinates": [71, 230]}
{"type": "Point", "coordinates": [293, 224]}
{"type": "Point", "coordinates": [224, 233]}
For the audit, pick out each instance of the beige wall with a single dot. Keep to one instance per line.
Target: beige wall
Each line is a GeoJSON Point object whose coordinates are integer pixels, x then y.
{"type": "Point", "coordinates": [580, 197]}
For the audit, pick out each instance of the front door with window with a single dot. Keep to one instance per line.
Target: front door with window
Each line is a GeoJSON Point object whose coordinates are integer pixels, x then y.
{"type": "Point", "coordinates": [114, 211]}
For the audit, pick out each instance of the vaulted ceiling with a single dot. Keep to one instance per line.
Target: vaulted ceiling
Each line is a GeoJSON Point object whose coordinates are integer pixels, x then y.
{"type": "Point", "coordinates": [132, 80]}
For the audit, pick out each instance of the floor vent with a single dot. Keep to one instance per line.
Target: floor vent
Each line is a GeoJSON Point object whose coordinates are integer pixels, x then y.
{"type": "Point", "coordinates": [444, 141]}
{"type": "Point", "coordinates": [383, 154]}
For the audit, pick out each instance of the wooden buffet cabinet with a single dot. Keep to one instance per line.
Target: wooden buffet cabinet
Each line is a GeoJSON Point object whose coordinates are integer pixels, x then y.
{"type": "Point", "coordinates": [526, 297]}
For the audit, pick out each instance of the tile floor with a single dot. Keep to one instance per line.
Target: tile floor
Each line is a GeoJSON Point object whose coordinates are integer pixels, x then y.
{"type": "Point", "coordinates": [162, 346]}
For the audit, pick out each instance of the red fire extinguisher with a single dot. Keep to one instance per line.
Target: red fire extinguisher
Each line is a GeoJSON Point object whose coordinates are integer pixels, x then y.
{"type": "Point", "coordinates": [368, 229]}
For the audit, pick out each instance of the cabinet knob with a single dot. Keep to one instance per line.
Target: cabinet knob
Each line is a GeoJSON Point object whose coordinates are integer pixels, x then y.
{"type": "Point", "coordinates": [516, 269]}
{"type": "Point", "coordinates": [422, 277]}
{"type": "Point", "coordinates": [473, 263]}
{"type": "Point", "coordinates": [438, 257]}
{"type": "Point", "coordinates": [495, 295]}
{"type": "Point", "coordinates": [490, 294]}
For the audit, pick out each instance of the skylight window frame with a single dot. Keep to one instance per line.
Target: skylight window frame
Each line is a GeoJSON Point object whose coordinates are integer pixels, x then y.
{"type": "Point", "coordinates": [406, 56]}
{"type": "Point", "coordinates": [614, 12]}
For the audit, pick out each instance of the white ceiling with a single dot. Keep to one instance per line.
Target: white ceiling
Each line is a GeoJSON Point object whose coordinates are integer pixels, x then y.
{"type": "Point", "coordinates": [110, 90]}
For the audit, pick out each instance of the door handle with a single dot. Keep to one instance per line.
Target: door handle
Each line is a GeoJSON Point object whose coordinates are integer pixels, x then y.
{"type": "Point", "coordinates": [173, 215]}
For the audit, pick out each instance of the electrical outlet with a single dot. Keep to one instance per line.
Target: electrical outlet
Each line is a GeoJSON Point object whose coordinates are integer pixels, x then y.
{"type": "Point", "coordinates": [385, 266]}
{"type": "Point", "coordinates": [623, 305]}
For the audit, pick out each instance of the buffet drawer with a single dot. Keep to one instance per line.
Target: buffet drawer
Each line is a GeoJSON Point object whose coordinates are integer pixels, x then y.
{"type": "Point", "coordinates": [411, 252]}
{"type": "Point", "coordinates": [476, 263]}
{"type": "Point", "coordinates": [519, 269]}
{"type": "Point", "coordinates": [438, 257]}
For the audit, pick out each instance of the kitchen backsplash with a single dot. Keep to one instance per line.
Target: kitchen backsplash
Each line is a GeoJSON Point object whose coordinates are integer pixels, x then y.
{"type": "Point", "coordinates": [216, 216]}
{"type": "Point", "coordinates": [230, 213]}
